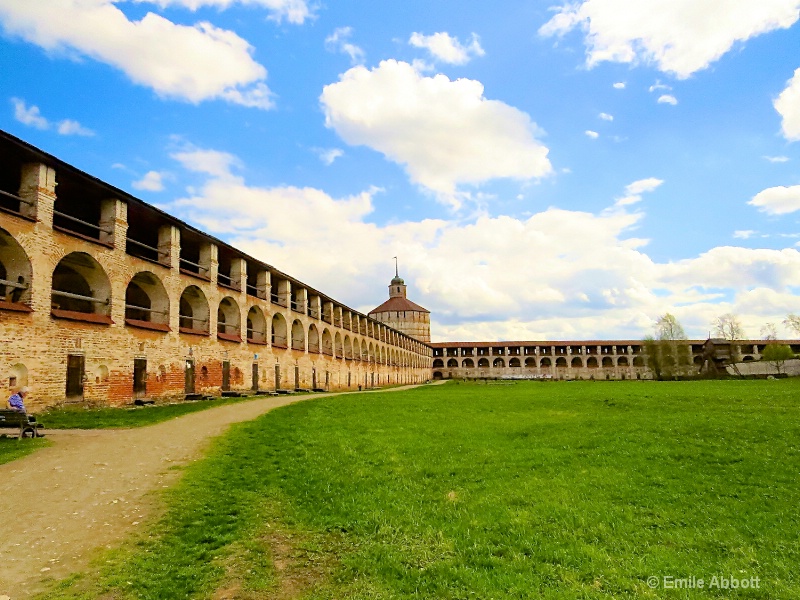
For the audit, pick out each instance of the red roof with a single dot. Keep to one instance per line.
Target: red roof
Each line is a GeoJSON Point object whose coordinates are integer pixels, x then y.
{"type": "Point", "coordinates": [398, 304]}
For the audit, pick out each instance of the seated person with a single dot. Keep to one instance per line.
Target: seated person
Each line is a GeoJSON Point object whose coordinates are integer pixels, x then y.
{"type": "Point", "coordinates": [16, 402]}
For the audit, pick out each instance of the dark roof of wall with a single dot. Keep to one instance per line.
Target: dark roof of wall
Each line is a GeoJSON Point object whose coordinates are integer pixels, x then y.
{"type": "Point", "coordinates": [398, 304]}
{"type": "Point", "coordinates": [503, 344]}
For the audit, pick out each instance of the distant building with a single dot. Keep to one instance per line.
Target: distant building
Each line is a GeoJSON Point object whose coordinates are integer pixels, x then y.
{"type": "Point", "coordinates": [400, 313]}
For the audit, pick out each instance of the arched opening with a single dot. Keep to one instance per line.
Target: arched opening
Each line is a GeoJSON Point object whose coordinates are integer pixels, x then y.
{"type": "Point", "coordinates": [545, 364]}
{"type": "Point", "coordinates": [17, 376]}
{"type": "Point", "coordinates": [591, 362]}
{"type": "Point", "coordinates": [298, 335]}
{"type": "Point", "coordinates": [229, 320]}
{"type": "Point", "coordinates": [146, 301]}
{"type": "Point", "coordinates": [313, 338]}
{"type": "Point", "coordinates": [514, 362]}
{"type": "Point", "coordinates": [452, 363]}
{"type": "Point", "coordinates": [327, 342]}
{"type": "Point", "coordinates": [622, 361]}
{"type": "Point", "coordinates": [364, 351]}
{"type": "Point", "coordinates": [278, 333]}
{"type": "Point", "coordinates": [15, 271]}
{"type": "Point", "coordinates": [337, 340]}
{"type": "Point", "coordinates": [193, 311]}
{"type": "Point", "coordinates": [483, 362]}
{"type": "Point", "coordinates": [639, 361]}
{"type": "Point", "coordinates": [371, 353]}
{"type": "Point", "coordinates": [608, 361]}
{"type": "Point", "coordinates": [437, 375]}
{"type": "Point", "coordinates": [438, 363]}
{"type": "Point", "coordinates": [577, 363]}
{"type": "Point", "coordinates": [561, 363]}
{"type": "Point", "coordinates": [256, 326]}
{"type": "Point", "coordinates": [747, 358]}
{"type": "Point", "coordinates": [80, 285]}
{"type": "Point", "coordinates": [468, 363]}
{"type": "Point", "coordinates": [499, 363]}
{"type": "Point", "coordinates": [530, 362]}
{"type": "Point", "coordinates": [348, 347]}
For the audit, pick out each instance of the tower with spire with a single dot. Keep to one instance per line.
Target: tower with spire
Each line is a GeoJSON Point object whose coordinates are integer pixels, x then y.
{"type": "Point", "coordinates": [401, 313]}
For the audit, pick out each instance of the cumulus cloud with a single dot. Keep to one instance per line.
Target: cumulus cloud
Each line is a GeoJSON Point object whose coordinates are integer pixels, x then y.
{"type": "Point", "coordinates": [71, 127]}
{"type": "Point", "coordinates": [29, 115]}
{"type": "Point", "coordinates": [471, 273]}
{"type": "Point", "coordinates": [778, 200]}
{"type": "Point", "coordinates": [153, 181]}
{"type": "Point", "coordinates": [591, 134]}
{"type": "Point", "coordinates": [668, 99]}
{"type": "Point", "coordinates": [328, 155]}
{"type": "Point", "coordinates": [153, 51]}
{"type": "Point", "coordinates": [339, 41]}
{"type": "Point", "coordinates": [620, 85]}
{"type": "Point", "coordinates": [445, 133]}
{"type": "Point", "coordinates": [446, 48]}
{"type": "Point", "coordinates": [788, 105]}
{"type": "Point", "coordinates": [634, 191]}
{"type": "Point", "coordinates": [777, 159]}
{"type": "Point", "coordinates": [744, 234]}
{"type": "Point", "coordinates": [677, 36]}
{"type": "Point", "coordinates": [209, 162]}
{"type": "Point", "coordinates": [605, 116]}
{"type": "Point", "coordinates": [294, 11]}
{"type": "Point", "coordinates": [32, 116]}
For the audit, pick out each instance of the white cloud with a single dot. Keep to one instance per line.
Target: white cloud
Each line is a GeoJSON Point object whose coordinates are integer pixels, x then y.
{"type": "Point", "coordinates": [605, 116]}
{"type": "Point", "coordinates": [620, 85]}
{"type": "Point", "coordinates": [778, 200]}
{"type": "Point", "coordinates": [446, 48]}
{"type": "Point", "coordinates": [294, 11]}
{"type": "Point", "coordinates": [678, 36]}
{"type": "Point", "coordinates": [338, 41]}
{"type": "Point", "coordinates": [70, 127]}
{"type": "Point", "coordinates": [445, 133]}
{"type": "Point", "coordinates": [744, 234]}
{"type": "Point", "coordinates": [788, 105]}
{"type": "Point", "coordinates": [668, 99]}
{"type": "Point", "coordinates": [658, 86]}
{"type": "Point", "coordinates": [328, 155]}
{"type": "Point", "coordinates": [153, 181]}
{"type": "Point", "coordinates": [634, 191]}
{"type": "Point", "coordinates": [153, 52]}
{"type": "Point", "coordinates": [29, 115]}
{"type": "Point", "coordinates": [591, 134]}
{"type": "Point", "coordinates": [468, 273]}
{"type": "Point", "coordinates": [777, 159]}
{"type": "Point", "coordinates": [210, 162]}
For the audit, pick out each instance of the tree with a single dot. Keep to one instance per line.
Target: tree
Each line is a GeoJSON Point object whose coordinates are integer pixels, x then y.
{"type": "Point", "coordinates": [729, 327]}
{"type": "Point", "coordinates": [792, 321]}
{"type": "Point", "coordinates": [667, 353]}
{"type": "Point", "coordinates": [769, 331]}
{"type": "Point", "coordinates": [777, 354]}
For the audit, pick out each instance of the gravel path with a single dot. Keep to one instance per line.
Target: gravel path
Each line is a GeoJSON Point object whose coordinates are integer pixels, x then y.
{"type": "Point", "coordinates": [91, 488]}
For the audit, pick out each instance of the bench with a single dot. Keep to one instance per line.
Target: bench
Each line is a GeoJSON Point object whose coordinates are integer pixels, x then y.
{"type": "Point", "coordinates": [13, 419]}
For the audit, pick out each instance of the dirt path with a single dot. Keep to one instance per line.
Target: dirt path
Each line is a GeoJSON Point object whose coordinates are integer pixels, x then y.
{"type": "Point", "coordinates": [92, 488]}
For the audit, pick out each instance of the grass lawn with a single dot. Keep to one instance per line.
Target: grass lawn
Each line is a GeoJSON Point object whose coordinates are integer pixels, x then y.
{"type": "Point", "coordinates": [531, 490]}
{"type": "Point", "coordinates": [81, 417]}
{"type": "Point", "coordinates": [12, 448]}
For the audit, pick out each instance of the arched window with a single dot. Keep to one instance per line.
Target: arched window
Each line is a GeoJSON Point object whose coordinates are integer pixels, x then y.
{"type": "Point", "coordinates": [298, 336]}
{"type": "Point", "coordinates": [545, 363]}
{"type": "Point", "coordinates": [327, 342]}
{"type": "Point", "coordinates": [256, 326]}
{"type": "Point", "coordinates": [438, 363]}
{"type": "Point", "coordinates": [561, 362]}
{"type": "Point", "coordinates": [608, 361]}
{"type": "Point", "coordinates": [279, 333]}
{"type": "Point", "coordinates": [15, 271]}
{"type": "Point", "coordinates": [452, 363]}
{"type": "Point", "coordinates": [146, 301]}
{"type": "Point", "coordinates": [483, 362]}
{"type": "Point", "coordinates": [337, 340]}
{"type": "Point", "coordinates": [622, 361]}
{"type": "Point", "coordinates": [348, 347]}
{"type": "Point", "coordinates": [499, 363]}
{"type": "Point", "coordinates": [80, 285]}
{"type": "Point", "coordinates": [229, 320]}
{"type": "Point", "coordinates": [577, 363]}
{"type": "Point", "coordinates": [193, 311]}
{"type": "Point", "coordinates": [313, 338]}
{"type": "Point", "coordinates": [591, 362]}
{"type": "Point", "coordinates": [514, 362]}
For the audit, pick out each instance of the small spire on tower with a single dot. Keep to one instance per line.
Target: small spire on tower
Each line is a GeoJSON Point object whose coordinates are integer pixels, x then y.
{"type": "Point", "coordinates": [396, 272]}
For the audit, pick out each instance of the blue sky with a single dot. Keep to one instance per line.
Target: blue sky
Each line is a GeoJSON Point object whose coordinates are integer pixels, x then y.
{"type": "Point", "coordinates": [543, 170]}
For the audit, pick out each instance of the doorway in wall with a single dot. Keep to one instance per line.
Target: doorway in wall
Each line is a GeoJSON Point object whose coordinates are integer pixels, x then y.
{"type": "Point", "coordinates": [76, 370]}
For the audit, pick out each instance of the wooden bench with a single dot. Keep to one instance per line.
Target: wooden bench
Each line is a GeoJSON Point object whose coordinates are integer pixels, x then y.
{"type": "Point", "coordinates": [13, 419]}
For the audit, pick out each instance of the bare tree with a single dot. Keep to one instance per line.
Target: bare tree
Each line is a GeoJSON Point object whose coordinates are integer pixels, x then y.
{"type": "Point", "coordinates": [769, 331]}
{"type": "Point", "coordinates": [668, 328]}
{"type": "Point", "coordinates": [728, 326]}
{"type": "Point", "coordinates": [792, 321]}
{"type": "Point", "coordinates": [667, 357]}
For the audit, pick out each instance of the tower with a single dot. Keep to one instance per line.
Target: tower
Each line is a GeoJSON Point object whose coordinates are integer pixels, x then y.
{"type": "Point", "coordinates": [402, 314]}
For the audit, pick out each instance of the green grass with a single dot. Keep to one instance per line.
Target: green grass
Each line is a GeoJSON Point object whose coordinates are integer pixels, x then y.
{"type": "Point", "coordinates": [551, 490]}
{"type": "Point", "coordinates": [82, 417]}
{"type": "Point", "coordinates": [12, 448]}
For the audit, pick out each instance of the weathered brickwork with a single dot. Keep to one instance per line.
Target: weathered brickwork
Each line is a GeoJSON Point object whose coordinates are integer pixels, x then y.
{"type": "Point", "coordinates": [97, 288]}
